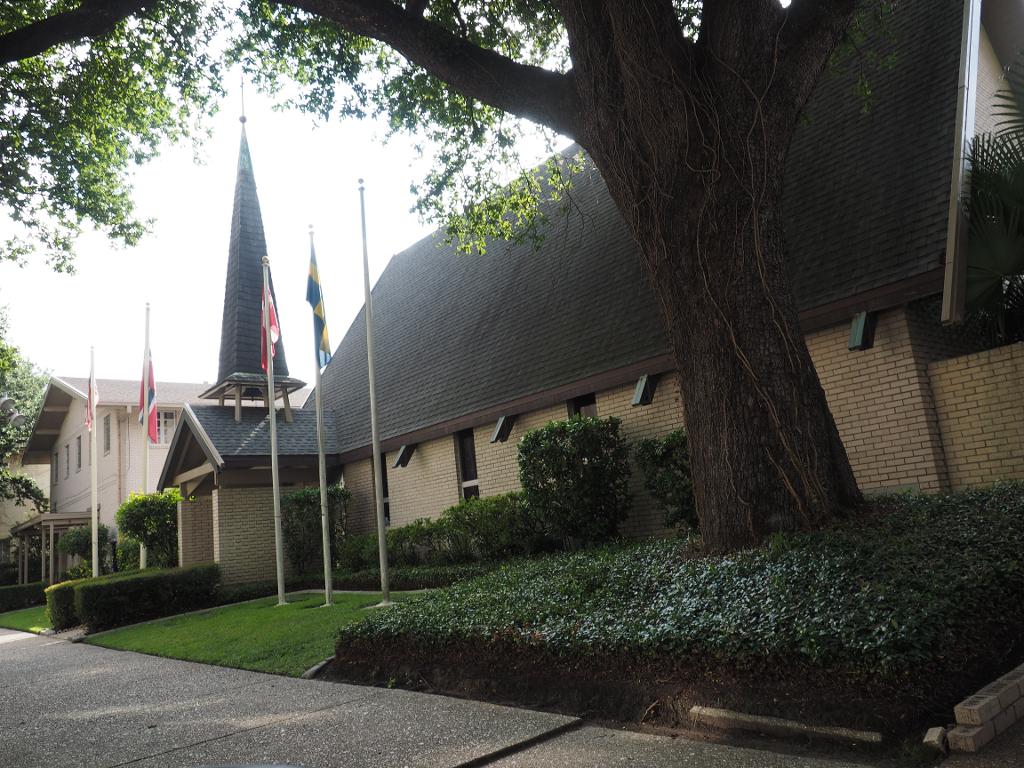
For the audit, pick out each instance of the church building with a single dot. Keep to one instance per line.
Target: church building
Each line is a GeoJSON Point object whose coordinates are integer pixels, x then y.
{"type": "Point", "coordinates": [473, 351]}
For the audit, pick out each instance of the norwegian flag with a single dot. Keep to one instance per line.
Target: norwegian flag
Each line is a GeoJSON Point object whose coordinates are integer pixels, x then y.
{"type": "Point", "coordinates": [275, 330]}
{"type": "Point", "coordinates": [147, 398]}
{"type": "Point", "coordinates": [94, 397]}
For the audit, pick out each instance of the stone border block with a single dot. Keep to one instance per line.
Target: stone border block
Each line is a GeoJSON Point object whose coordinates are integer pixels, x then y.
{"type": "Point", "coordinates": [977, 709]}
{"type": "Point", "coordinates": [971, 738]}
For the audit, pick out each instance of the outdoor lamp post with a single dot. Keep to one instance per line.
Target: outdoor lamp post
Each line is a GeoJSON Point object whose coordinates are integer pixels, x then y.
{"type": "Point", "coordinates": [10, 413]}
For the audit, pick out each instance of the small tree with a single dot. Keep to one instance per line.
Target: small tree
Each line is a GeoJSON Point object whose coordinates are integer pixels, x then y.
{"type": "Point", "coordinates": [77, 542]}
{"type": "Point", "coordinates": [301, 525]}
{"type": "Point", "coordinates": [665, 464]}
{"type": "Point", "coordinates": [575, 474]}
{"type": "Point", "coordinates": [152, 520]}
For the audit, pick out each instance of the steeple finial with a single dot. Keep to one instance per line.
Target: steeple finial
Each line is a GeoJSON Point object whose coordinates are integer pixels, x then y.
{"type": "Point", "coordinates": [241, 119]}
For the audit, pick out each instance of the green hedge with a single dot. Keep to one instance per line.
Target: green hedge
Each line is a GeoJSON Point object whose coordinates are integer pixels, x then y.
{"type": "Point", "coordinates": [60, 604]}
{"type": "Point", "coordinates": [21, 596]}
{"type": "Point", "coordinates": [917, 588]}
{"type": "Point", "coordinates": [8, 574]}
{"type": "Point", "coordinates": [150, 594]}
{"type": "Point", "coordinates": [410, 576]}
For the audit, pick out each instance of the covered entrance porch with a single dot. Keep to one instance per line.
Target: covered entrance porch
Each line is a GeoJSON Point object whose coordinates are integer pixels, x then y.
{"type": "Point", "coordinates": [45, 530]}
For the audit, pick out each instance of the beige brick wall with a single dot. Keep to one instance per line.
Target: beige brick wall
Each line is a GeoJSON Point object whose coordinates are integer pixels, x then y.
{"type": "Point", "coordinates": [882, 404]}
{"type": "Point", "coordinates": [427, 486]}
{"type": "Point", "coordinates": [359, 480]}
{"type": "Point", "coordinates": [659, 418]}
{"type": "Point", "coordinates": [243, 534]}
{"type": "Point", "coordinates": [195, 531]}
{"type": "Point", "coordinates": [430, 483]}
{"type": "Point", "coordinates": [990, 82]}
{"type": "Point", "coordinates": [497, 464]}
{"type": "Point", "coordinates": [978, 401]}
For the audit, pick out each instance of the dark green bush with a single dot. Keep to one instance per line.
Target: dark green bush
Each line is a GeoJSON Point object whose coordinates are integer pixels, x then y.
{"type": "Point", "coordinates": [8, 574]}
{"type": "Point", "coordinates": [60, 604]}
{"type": "Point", "coordinates": [150, 594]}
{"type": "Point", "coordinates": [239, 593]}
{"type": "Point", "coordinates": [77, 542]}
{"type": "Point", "coordinates": [410, 576]}
{"type": "Point", "coordinates": [357, 553]}
{"type": "Point", "coordinates": [491, 529]}
{"type": "Point", "coordinates": [19, 596]}
{"type": "Point", "coordinates": [303, 529]}
{"type": "Point", "coordinates": [575, 474]}
{"type": "Point", "coordinates": [152, 519]}
{"type": "Point", "coordinates": [128, 554]}
{"type": "Point", "coordinates": [665, 465]}
{"type": "Point", "coordinates": [920, 587]}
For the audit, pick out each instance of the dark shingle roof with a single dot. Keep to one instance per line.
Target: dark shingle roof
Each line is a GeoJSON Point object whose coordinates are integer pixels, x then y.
{"type": "Point", "coordinates": [126, 391]}
{"type": "Point", "coordinates": [251, 436]}
{"type": "Point", "coordinates": [867, 194]}
{"type": "Point", "coordinates": [243, 289]}
{"type": "Point", "coordinates": [865, 206]}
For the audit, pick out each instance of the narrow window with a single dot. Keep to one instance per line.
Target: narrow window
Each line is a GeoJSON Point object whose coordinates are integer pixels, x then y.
{"type": "Point", "coordinates": [67, 461]}
{"type": "Point", "coordinates": [106, 434]}
{"type": "Point", "coordinates": [466, 450]}
{"type": "Point", "coordinates": [384, 488]}
{"type": "Point", "coordinates": [78, 454]}
{"type": "Point", "coordinates": [584, 405]}
{"type": "Point", "coordinates": [164, 426]}
{"type": "Point", "coordinates": [55, 469]}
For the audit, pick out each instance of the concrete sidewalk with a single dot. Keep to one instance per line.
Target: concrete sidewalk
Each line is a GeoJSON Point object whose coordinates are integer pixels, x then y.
{"type": "Point", "coordinates": [71, 704]}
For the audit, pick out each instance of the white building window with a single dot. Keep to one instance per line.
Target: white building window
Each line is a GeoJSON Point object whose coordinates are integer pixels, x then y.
{"type": "Point", "coordinates": [67, 460]}
{"type": "Point", "coordinates": [106, 434]}
{"type": "Point", "coordinates": [78, 454]}
{"type": "Point", "coordinates": [164, 426]}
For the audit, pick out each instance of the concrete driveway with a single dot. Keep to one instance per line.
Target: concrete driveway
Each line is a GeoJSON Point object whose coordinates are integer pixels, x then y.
{"type": "Point", "coordinates": [64, 704]}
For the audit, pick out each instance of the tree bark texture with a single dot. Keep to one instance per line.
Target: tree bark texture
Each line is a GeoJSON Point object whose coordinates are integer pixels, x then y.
{"type": "Point", "coordinates": [692, 144]}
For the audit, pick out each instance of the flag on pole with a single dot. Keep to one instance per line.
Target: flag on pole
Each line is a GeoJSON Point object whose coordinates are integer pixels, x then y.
{"type": "Point", "coordinates": [147, 397]}
{"type": "Point", "coordinates": [93, 400]}
{"type": "Point", "coordinates": [275, 329]}
{"type": "Point", "coordinates": [316, 301]}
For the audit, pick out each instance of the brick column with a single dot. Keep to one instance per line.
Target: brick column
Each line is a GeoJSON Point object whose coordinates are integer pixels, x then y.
{"type": "Point", "coordinates": [195, 531]}
{"type": "Point", "coordinates": [243, 534]}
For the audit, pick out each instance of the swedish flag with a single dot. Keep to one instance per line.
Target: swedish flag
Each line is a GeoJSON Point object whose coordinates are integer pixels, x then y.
{"type": "Point", "coordinates": [316, 301]}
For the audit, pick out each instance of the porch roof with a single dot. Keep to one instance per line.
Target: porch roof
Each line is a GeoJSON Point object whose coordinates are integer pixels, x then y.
{"type": "Point", "coordinates": [57, 519]}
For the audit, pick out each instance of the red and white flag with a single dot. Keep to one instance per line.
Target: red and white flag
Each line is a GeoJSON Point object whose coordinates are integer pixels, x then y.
{"type": "Point", "coordinates": [93, 398]}
{"type": "Point", "coordinates": [147, 398]}
{"type": "Point", "coordinates": [275, 330]}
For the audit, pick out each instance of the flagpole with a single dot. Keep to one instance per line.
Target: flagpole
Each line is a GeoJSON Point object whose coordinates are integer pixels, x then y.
{"type": "Point", "coordinates": [325, 518]}
{"type": "Point", "coordinates": [378, 482]}
{"type": "Point", "coordinates": [145, 432]}
{"type": "Point", "coordinates": [94, 466]}
{"type": "Point", "coordinates": [278, 549]}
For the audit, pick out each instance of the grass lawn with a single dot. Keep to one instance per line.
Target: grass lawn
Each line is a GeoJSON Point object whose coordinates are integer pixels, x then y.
{"type": "Point", "coordinates": [27, 619]}
{"type": "Point", "coordinates": [258, 635]}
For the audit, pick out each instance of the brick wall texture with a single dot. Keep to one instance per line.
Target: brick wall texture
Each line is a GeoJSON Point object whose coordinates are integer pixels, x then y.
{"type": "Point", "coordinates": [920, 409]}
{"type": "Point", "coordinates": [978, 402]}
{"type": "Point", "coordinates": [195, 531]}
{"type": "Point", "coordinates": [243, 534]}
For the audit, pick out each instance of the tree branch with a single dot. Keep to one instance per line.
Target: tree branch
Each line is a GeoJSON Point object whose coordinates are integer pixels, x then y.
{"type": "Point", "coordinates": [93, 18]}
{"type": "Point", "coordinates": [810, 31]}
{"type": "Point", "coordinates": [530, 92]}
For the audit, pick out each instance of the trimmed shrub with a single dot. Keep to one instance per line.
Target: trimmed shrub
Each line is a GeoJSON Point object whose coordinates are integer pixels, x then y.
{"type": "Point", "coordinates": [575, 474]}
{"type": "Point", "coordinates": [491, 529]}
{"type": "Point", "coordinates": [152, 519]}
{"type": "Point", "coordinates": [302, 527]}
{"type": "Point", "coordinates": [150, 594]}
{"type": "Point", "coordinates": [239, 593]}
{"type": "Point", "coordinates": [21, 596]}
{"type": "Point", "coordinates": [60, 604]}
{"type": "Point", "coordinates": [411, 577]}
{"type": "Point", "coordinates": [665, 464]}
{"type": "Point", "coordinates": [357, 553]}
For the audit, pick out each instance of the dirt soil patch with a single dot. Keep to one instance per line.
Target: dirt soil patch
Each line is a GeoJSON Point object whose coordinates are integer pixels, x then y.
{"type": "Point", "coordinates": [659, 693]}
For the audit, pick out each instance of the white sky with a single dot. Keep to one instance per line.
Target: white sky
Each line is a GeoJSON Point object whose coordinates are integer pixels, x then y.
{"type": "Point", "coordinates": [304, 175]}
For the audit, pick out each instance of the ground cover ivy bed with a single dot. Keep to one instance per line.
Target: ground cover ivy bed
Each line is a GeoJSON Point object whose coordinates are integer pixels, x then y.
{"type": "Point", "coordinates": [884, 621]}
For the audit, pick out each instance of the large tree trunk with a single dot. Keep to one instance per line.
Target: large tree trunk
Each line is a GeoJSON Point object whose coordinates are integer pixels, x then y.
{"type": "Point", "coordinates": [693, 153]}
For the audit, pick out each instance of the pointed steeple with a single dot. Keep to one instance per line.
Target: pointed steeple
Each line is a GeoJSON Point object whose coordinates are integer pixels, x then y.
{"type": "Point", "coordinates": [240, 328]}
